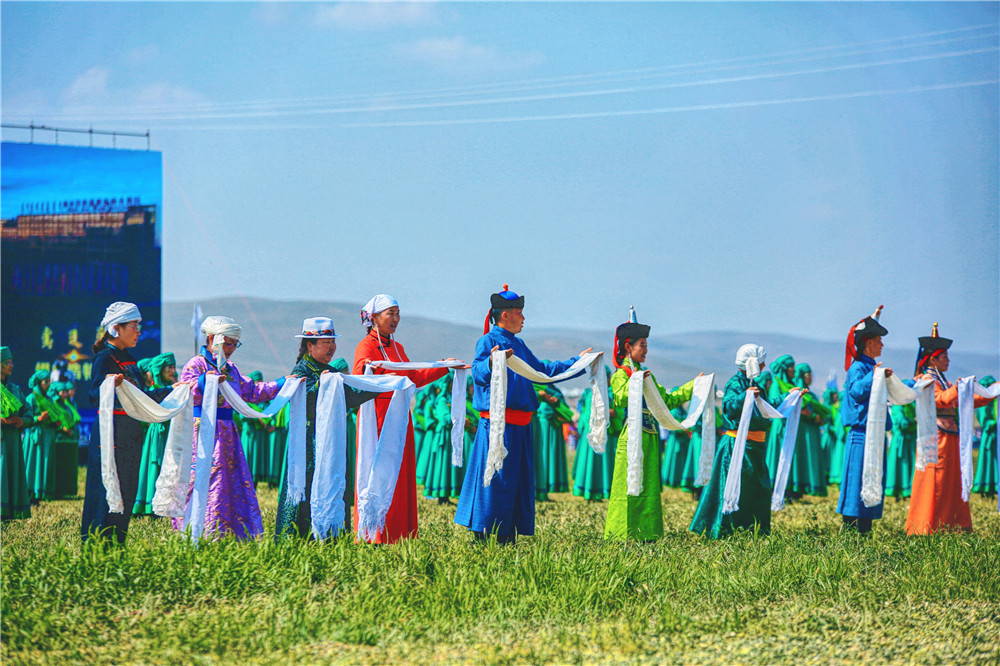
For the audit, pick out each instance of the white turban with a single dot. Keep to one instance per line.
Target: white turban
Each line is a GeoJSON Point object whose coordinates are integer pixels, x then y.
{"type": "Point", "coordinates": [221, 328]}
{"type": "Point", "coordinates": [378, 303]}
{"type": "Point", "coordinates": [751, 357]}
{"type": "Point", "coordinates": [119, 312]}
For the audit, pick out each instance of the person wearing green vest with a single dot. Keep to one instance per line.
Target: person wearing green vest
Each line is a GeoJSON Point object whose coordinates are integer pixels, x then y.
{"type": "Point", "coordinates": [638, 517]}
{"type": "Point", "coordinates": [65, 456]}
{"type": "Point", "coordinates": [256, 436]}
{"type": "Point", "coordinates": [40, 437]}
{"type": "Point", "coordinates": [833, 437]}
{"type": "Point", "coordinates": [163, 371]}
{"type": "Point", "coordinates": [987, 473]}
{"type": "Point", "coordinates": [808, 475]}
{"type": "Point", "coordinates": [551, 468]}
{"type": "Point", "coordinates": [16, 499]}
{"type": "Point", "coordinates": [783, 370]}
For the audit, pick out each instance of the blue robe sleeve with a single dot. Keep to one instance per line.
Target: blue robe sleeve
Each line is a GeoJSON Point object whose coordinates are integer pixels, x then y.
{"type": "Point", "coordinates": [550, 369]}
{"type": "Point", "coordinates": [97, 375]}
{"type": "Point", "coordinates": [481, 363]}
{"type": "Point", "coordinates": [861, 388]}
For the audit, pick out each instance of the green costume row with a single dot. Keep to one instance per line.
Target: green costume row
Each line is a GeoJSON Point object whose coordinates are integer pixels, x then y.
{"type": "Point", "coordinates": [264, 442]}
{"type": "Point", "coordinates": [987, 472]}
{"type": "Point", "coordinates": [551, 467]}
{"type": "Point", "coordinates": [441, 479]}
{"type": "Point", "coordinates": [162, 371]}
{"type": "Point", "coordinates": [593, 472]}
{"type": "Point", "coordinates": [17, 415]}
{"type": "Point", "coordinates": [49, 445]}
{"type": "Point", "coordinates": [638, 517]}
{"type": "Point", "coordinates": [809, 472]}
{"type": "Point", "coordinates": [901, 459]}
{"type": "Point", "coordinates": [834, 436]}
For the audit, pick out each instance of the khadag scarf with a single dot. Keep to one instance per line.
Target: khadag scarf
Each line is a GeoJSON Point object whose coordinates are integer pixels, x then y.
{"type": "Point", "coordinates": [792, 415]}
{"type": "Point", "coordinates": [458, 389]}
{"type": "Point", "coordinates": [887, 390]}
{"type": "Point", "coordinates": [968, 387]}
{"type": "Point", "coordinates": [702, 402]}
{"type": "Point", "coordinates": [599, 413]}
{"type": "Point", "coordinates": [991, 392]}
{"type": "Point", "coordinates": [734, 480]}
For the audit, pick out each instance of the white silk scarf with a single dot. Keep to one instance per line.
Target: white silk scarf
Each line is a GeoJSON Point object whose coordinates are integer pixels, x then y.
{"type": "Point", "coordinates": [887, 390]}
{"type": "Point", "coordinates": [702, 402]}
{"type": "Point", "coordinates": [599, 413]}
{"type": "Point", "coordinates": [734, 480]}
{"type": "Point", "coordinates": [988, 392]}
{"type": "Point", "coordinates": [138, 405]}
{"type": "Point", "coordinates": [792, 416]}
{"type": "Point", "coordinates": [458, 394]}
{"type": "Point", "coordinates": [967, 389]}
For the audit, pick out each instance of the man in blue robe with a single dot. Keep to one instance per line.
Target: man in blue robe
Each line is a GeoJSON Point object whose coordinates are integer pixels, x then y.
{"type": "Point", "coordinates": [506, 507]}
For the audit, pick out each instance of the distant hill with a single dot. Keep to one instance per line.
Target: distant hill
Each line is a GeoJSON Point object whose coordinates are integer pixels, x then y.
{"type": "Point", "coordinates": [673, 358]}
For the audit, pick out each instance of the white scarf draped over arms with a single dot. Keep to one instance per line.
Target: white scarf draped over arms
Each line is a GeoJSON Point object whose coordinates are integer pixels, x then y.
{"type": "Point", "coordinates": [967, 389]}
{"type": "Point", "coordinates": [702, 403]}
{"type": "Point", "coordinates": [499, 364]}
{"type": "Point", "coordinates": [991, 392]}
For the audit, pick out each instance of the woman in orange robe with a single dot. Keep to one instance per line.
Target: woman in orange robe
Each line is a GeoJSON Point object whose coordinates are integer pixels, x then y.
{"type": "Point", "coordinates": [381, 316]}
{"type": "Point", "coordinates": [936, 503]}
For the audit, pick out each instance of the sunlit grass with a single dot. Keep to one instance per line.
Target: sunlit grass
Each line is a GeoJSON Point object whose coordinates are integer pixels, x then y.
{"type": "Point", "coordinates": [806, 593]}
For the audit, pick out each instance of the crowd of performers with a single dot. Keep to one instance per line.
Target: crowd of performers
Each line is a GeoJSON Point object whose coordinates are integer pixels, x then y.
{"type": "Point", "coordinates": [496, 494]}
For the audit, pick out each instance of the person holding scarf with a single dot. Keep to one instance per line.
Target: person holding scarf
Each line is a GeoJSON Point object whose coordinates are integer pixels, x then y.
{"type": "Point", "coordinates": [987, 472]}
{"type": "Point", "coordinates": [232, 499]}
{"type": "Point", "coordinates": [901, 459]}
{"type": "Point", "coordinates": [16, 500]}
{"type": "Point", "coordinates": [163, 370]}
{"type": "Point", "coordinates": [833, 437]}
{"type": "Point", "coordinates": [318, 343]}
{"type": "Point", "coordinates": [551, 469]}
{"type": "Point", "coordinates": [864, 345]}
{"type": "Point", "coordinates": [121, 333]}
{"type": "Point", "coordinates": [637, 517]}
{"type": "Point", "coordinates": [442, 480]}
{"type": "Point", "coordinates": [256, 436]}
{"type": "Point", "coordinates": [594, 472]}
{"type": "Point", "coordinates": [936, 504]}
{"type": "Point", "coordinates": [676, 447]}
{"type": "Point", "coordinates": [755, 483]}
{"type": "Point", "coordinates": [64, 449]}
{"type": "Point", "coordinates": [783, 381]}
{"type": "Point", "coordinates": [506, 507]}
{"type": "Point", "coordinates": [808, 475]}
{"type": "Point", "coordinates": [40, 438]}
{"type": "Point", "coordinates": [380, 316]}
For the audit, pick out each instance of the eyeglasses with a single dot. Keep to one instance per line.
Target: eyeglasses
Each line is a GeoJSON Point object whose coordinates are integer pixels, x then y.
{"type": "Point", "coordinates": [231, 343]}
{"type": "Point", "coordinates": [132, 324]}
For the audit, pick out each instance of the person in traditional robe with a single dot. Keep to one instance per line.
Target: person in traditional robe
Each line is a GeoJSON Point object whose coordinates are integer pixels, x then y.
{"type": "Point", "coordinates": [442, 480]}
{"type": "Point", "coordinates": [987, 471]}
{"type": "Point", "coordinates": [783, 381]}
{"type": "Point", "coordinates": [40, 438]}
{"type": "Point", "coordinates": [428, 415]}
{"type": "Point", "coordinates": [676, 447]}
{"type": "Point", "coordinates": [380, 316]}
{"type": "Point", "coordinates": [807, 475]}
{"type": "Point", "coordinates": [754, 512]}
{"type": "Point", "coordinates": [689, 472]}
{"type": "Point", "coordinates": [902, 456]}
{"type": "Point", "coordinates": [163, 370]}
{"type": "Point", "coordinates": [864, 345]}
{"type": "Point", "coordinates": [506, 507]}
{"type": "Point", "coordinates": [551, 468]}
{"type": "Point", "coordinates": [232, 506]}
{"type": "Point", "coordinates": [121, 333]}
{"type": "Point", "coordinates": [318, 344]}
{"type": "Point", "coordinates": [593, 472]}
{"type": "Point", "coordinates": [15, 502]}
{"type": "Point", "coordinates": [64, 449]}
{"type": "Point", "coordinates": [256, 437]}
{"type": "Point", "coordinates": [638, 517]}
{"type": "Point", "coordinates": [833, 437]}
{"type": "Point", "coordinates": [936, 503]}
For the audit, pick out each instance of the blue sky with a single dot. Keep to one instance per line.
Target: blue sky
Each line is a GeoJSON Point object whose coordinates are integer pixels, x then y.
{"type": "Point", "coordinates": [749, 166]}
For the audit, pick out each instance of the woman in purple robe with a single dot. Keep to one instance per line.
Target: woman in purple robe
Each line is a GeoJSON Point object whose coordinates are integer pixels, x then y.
{"type": "Point", "coordinates": [232, 497]}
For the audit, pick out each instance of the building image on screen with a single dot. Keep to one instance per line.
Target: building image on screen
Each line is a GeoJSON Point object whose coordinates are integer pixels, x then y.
{"type": "Point", "coordinates": [80, 230]}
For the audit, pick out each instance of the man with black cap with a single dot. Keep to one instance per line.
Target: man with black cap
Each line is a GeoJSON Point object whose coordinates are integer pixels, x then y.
{"type": "Point", "coordinates": [506, 507]}
{"type": "Point", "coordinates": [936, 503]}
{"type": "Point", "coordinates": [864, 345]}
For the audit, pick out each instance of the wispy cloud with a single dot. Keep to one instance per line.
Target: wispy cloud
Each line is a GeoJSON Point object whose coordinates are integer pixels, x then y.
{"type": "Point", "coordinates": [142, 55]}
{"type": "Point", "coordinates": [374, 15]}
{"type": "Point", "coordinates": [458, 54]}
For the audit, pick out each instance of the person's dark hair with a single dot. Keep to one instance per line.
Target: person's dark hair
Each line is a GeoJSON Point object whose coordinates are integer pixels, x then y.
{"type": "Point", "coordinates": [495, 314]}
{"type": "Point", "coordinates": [101, 344]}
{"type": "Point", "coordinates": [303, 349]}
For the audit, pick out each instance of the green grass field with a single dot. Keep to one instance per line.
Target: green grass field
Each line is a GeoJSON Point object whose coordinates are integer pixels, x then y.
{"type": "Point", "coordinates": [806, 594]}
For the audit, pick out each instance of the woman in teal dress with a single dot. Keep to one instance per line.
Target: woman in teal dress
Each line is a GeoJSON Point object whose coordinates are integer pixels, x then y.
{"type": "Point", "coordinates": [901, 459]}
{"type": "Point", "coordinates": [256, 435]}
{"type": "Point", "coordinates": [551, 467]}
{"type": "Point", "coordinates": [16, 500]}
{"type": "Point", "coordinates": [594, 472]}
{"type": "Point", "coordinates": [675, 451]}
{"type": "Point", "coordinates": [277, 442]}
{"type": "Point", "coordinates": [987, 473]}
{"type": "Point", "coordinates": [432, 392]}
{"type": "Point", "coordinates": [442, 480]}
{"type": "Point", "coordinates": [833, 437]}
{"type": "Point", "coordinates": [783, 370]}
{"type": "Point", "coordinates": [755, 489]}
{"type": "Point", "coordinates": [40, 437]}
{"type": "Point", "coordinates": [808, 475]}
{"type": "Point", "coordinates": [163, 370]}
{"type": "Point", "coordinates": [639, 516]}
{"type": "Point", "coordinates": [689, 474]}
{"type": "Point", "coordinates": [67, 442]}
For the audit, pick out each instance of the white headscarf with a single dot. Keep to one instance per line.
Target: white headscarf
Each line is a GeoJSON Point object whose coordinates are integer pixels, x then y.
{"type": "Point", "coordinates": [119, 312]}
{"type": "Point", "coordinates": [221, 328]}
{"type": "Point", "coordinates": [378, 303]}
{"type": "Point", "coordinates": [751, 357]}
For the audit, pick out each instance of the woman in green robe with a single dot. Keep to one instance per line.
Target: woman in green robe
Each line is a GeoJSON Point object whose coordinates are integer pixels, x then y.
{"type": "Point", "coordinates": [65, 454]}
{"type": "Point", "coordinates": [40, 437]}
{"type": "Point", "coordinates": [987, 473]}
{"type": "Point", "coordinates": [256, 436]}
{"type": "Point", "coordinates": [675, 451]}
{"type": "Point", "coordinates": [689, 474]}
{"type": "Point", "coordinates": [808, 474]}
{"type": "Point", "coordinates": [783, 370]}
{"type": "Point", "coordinates": [833, 438]}
{"type": "Point", "coordinates": [551, 467]}
{"type": "Point", "coordinates": [755, 480]}
{"type": "Point", "coordinates": [277, 442]}
{"type": "Point", "coordinates": [442, 480]}
{"type": "Point", "coordinates": [432, 392]}
{"type": "Point", "coordinates": [16, 499]}
{"type": "Point", "coordinates": [163, 370]}
{"type": "Point", "coordinates": [639, 516]}
{"type": "Point", "coordinates": [901, 459]}
{"type": "Point", "coordinates": [588, 467]}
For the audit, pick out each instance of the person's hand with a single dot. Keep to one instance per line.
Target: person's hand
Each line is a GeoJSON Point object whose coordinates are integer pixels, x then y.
{"type": "Point", "coordinates": [586, 351]}
{"type": "Point", "coordinates": [645, 373]}
{"type": "Point", "coordinates": [291, 377]}
{"type": "Point", "coordinates": [118, 380]}
{"type": "Point", "coordinates": [464, 366]}
{"type": "Point", "coordinates": [271, 428]}
{"type": "Point", "coordinates": [44, 416]}
{"type": "Point", "coordinates": [325, 372]}
{"type": "Point", "coordinates": [753, 389]}
{"type": "Point", "coordinates": [510, 352]}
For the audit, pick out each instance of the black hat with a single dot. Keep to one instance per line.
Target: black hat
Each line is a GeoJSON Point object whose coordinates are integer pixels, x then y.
{"type": "Point", "coordinates": [630, 331]}
{"type": "Point", "coordinates": [929, 346]}
{"type": "Point", "coordinates": [866, 328]}
{"type": "Point", "coordinates": [506, 300]}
